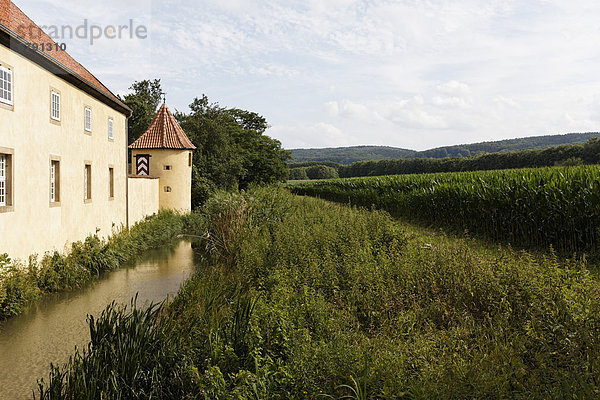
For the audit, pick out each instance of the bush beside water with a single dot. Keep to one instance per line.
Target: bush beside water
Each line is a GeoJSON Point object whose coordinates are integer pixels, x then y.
{"type": "Point", "coordinates": [301, 298]}
{"type": "Point", "coordinates": [21, 283]}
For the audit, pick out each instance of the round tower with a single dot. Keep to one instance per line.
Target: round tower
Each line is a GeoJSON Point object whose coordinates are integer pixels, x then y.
{"type": "Point", "coordinates": [164, 151]}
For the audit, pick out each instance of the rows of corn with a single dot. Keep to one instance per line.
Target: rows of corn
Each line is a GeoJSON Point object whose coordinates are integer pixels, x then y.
{"type": "Point", "coordinates": [540, 207]}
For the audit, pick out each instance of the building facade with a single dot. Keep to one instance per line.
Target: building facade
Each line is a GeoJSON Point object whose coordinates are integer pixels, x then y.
{"type": "Point", "coordinates": [63, 141]}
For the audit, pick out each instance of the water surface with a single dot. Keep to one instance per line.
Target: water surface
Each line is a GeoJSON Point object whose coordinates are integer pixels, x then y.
{"type": "Point", "coordinates": [49, 330]}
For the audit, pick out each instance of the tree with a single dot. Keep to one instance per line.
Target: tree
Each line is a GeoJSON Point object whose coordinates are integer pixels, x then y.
{"type": "Point", "coordinates": [298, 174]}
{"type": "Point", "coordinates": [232, 150]}
{"type": "Point", "coordinates": [211, 129]}
{"type": "Point", "coordinates": [321, 172]}
{"type": "Point", "coordinates": [143, 102]}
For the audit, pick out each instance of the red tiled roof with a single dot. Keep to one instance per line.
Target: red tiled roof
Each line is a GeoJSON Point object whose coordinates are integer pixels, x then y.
{"type": "Point", "coordinates": [12, 18]}
{"type": "Point", "coordinates": [164, 133]}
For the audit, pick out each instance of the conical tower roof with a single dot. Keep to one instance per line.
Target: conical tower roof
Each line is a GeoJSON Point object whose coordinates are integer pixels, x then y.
{"type": "Point", "coordinates": [164, 133]}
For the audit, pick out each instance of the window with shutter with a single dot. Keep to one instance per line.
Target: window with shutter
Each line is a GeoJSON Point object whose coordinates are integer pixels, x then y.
{"type": "Point", "coordinates": [2, 180]}
{"type": "Point", "coordinates": [6, 86]}
{"type": "Point", "coordinates": [110, 129]}
{"type": "Point", "coordinates": [55, 106]}
{"type": "Point", "coordinates": [88, 119]}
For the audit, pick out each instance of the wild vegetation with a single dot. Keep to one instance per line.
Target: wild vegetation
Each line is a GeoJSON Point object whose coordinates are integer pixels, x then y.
{"type": "Point", "coordinates": [301, 298]}
{"type": "Point", "coordinates": [21, 283]}
{"type": "Point", "coordinates": [349, 155]}
{"type": "Point", "coordinates": [534, 208]}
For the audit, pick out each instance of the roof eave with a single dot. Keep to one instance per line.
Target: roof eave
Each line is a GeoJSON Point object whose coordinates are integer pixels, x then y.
{"type": "Point", "coordinates": [17, 44]}
{"type": "Point", "coordinates": [161, 148]}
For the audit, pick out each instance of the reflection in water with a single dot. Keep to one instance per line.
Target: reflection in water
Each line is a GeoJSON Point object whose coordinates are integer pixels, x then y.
{"type": "Point", "coordinates": [50, 329]}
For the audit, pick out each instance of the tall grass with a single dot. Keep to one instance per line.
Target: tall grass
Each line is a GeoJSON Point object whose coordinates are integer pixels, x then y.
{"type": "Point", "coordinates": [531, 208]}
{"type": "Point", "coordinates": [21, 283]}
{"type": "Point", "coordinates": [314, 299]}
{"type": "Point", "coordinates": [132, 355]}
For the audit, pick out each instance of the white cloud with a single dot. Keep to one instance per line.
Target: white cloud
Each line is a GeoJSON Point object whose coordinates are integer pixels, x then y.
{"type": "Point", "coordinates": [411, 74]}
{"type": "Point", "coordinates": [506, 102]}
{"type": "Point", "coordinates": [320, 134]}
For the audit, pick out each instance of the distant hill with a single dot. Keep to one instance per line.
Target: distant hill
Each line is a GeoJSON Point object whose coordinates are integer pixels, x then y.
{"type": "Point", "coordinates": [348, 155]}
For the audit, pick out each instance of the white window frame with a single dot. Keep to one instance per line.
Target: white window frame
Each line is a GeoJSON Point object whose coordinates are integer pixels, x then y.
{"type": "Point", "coordinates": [87, 119]}
{"type": "Point", "coordinates": [111, 134]}
{"type": "Point", "coordinates": [6, 86]}
{"type": "Point", "coordinates": [3, 193]}
{"type": "Point", "coordinates": [55, 105]}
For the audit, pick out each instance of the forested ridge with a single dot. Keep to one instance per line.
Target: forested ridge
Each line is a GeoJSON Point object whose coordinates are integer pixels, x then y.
{"type": "Point", "coordinates": [564, 155]}
{"type": "Point", "coordinates": [349, 155]}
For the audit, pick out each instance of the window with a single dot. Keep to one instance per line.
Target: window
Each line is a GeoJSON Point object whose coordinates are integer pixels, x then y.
{"type": "Point", "coordinates": [88, 119]}
{"type": "Point", "coordinates": [6, 86]}
{"type": "Point", "coordinates": [54, 181]}
{"type": "Point", "coordinates": [110, 129]}
{"type": "Point", "coordinates": [167, 167]}
{"type": "Point", "coordinates": [3, 174]}
{"type": "Point", "coordinates": [168, 189]}
{"type": "Point", "coordinates": [190, 159]}
{"type": "Point", "coordinates": [111, 182]}
{"type": "Point", "coordinates": [5, 178]}
{"type": "Point", "coordinates": [87, 182]}
{"type": "Point", "coordinates": [55, 106]}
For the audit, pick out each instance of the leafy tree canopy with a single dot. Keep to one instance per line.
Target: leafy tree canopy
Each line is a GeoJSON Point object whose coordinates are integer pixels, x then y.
{"type": "Point", "coordinates": [233, 151]}
{"type": "Point", "coordinates": [144, 99]}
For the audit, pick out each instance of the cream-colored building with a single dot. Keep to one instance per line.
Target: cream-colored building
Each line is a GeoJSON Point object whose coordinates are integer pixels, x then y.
{"type": "Point", "coordinates": [63, 144]}
{"type": "Point", "coordinates": [165, 152]}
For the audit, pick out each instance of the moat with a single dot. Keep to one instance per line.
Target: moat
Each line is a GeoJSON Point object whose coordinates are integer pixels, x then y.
{"type": "Point", "coordinates": [50, 329]}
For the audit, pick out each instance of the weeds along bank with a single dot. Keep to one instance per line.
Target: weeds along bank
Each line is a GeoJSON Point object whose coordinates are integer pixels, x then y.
{"type": "Point", "coordinates": [300, 297]}
{"type": "Point", "coordinates": [533, 208]}
{"type": "Point", "coordinates": [21, 282]}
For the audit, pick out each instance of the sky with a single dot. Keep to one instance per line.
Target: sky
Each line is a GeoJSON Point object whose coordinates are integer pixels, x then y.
{"type": "Point", "coordinates": [331, 73]}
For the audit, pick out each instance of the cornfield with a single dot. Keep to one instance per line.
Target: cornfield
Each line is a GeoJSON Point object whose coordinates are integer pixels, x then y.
{"type": "Point", "coordinates": [534, 208]}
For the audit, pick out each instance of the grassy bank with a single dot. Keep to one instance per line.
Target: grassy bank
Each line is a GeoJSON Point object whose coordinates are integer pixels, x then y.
{"type": "Point", "coordinates": [21, 283]}
{"type": "Point", "coordinates": [302, 298]}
